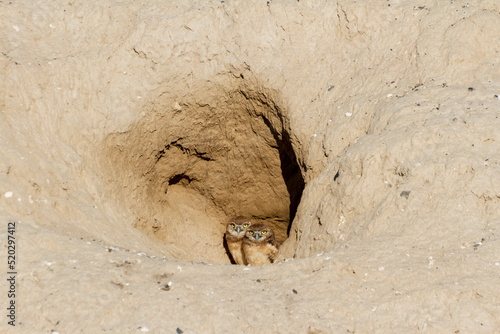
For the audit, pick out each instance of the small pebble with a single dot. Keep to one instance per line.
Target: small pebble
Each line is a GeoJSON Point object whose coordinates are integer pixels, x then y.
{"type": "Point", "coordinates": [405, 194]}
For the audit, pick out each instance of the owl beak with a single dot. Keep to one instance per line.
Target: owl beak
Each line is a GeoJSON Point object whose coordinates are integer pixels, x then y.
{"type": "Point", "coordinates": [257, 236]}
{"type": "Point", "coordinates": [238, 229]}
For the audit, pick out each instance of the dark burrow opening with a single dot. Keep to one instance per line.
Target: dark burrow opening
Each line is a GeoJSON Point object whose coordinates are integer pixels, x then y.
{"type": "Point", "coordinates": [193, 162]}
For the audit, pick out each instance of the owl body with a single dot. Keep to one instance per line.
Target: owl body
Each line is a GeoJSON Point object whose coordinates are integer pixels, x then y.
{"type": "Point", "coordinates": [235, 232]}
{"type": "Point", "coordinates": [260, 246]}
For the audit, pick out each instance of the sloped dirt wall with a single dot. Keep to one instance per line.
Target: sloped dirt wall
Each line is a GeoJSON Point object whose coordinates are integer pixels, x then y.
{"type": "Point", "coordinates": [194, 162]}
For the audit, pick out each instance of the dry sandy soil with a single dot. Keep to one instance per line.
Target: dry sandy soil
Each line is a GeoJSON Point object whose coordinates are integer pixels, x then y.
{"type": "Point", "coordinates": [367, 133]}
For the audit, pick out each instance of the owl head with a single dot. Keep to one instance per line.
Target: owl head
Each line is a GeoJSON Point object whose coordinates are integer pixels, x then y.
{"type": "Point", "coordinates": [238, 226]}
{"type": "Point", "coordinates": [259, 233]}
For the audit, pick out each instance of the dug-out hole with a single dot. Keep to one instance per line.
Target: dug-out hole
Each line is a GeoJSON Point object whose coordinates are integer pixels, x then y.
{"type": "Point", "coordinates": [193, 162]}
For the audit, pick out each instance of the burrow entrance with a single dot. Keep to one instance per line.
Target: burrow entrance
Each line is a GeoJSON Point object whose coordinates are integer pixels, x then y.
{"type": "Point", "coordinates": [194, 161]}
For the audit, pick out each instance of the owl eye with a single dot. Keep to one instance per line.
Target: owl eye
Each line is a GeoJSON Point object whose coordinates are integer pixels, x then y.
{"type": "Point", "coordinates": [245, 225]}
{"type": "Point", "coordinates": [232, 225]}
{"type": "Point", "coordinates": [251, 232]}
{"type": "Point", "coordinates": [264, 232]}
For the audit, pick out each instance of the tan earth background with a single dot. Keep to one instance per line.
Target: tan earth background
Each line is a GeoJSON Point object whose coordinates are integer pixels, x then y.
{"type": "Point", "coordinates": [367, 133]}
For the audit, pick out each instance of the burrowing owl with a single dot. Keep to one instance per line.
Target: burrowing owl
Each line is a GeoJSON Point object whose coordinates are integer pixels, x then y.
{"type": "Point", "coordinates": [260, 246]}
{"type": "Point", "coordinates": [235, 232]}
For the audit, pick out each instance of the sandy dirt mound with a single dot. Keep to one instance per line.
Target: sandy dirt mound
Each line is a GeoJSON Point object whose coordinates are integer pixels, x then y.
{"type": "Point", "coordinates": [365, 133]}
